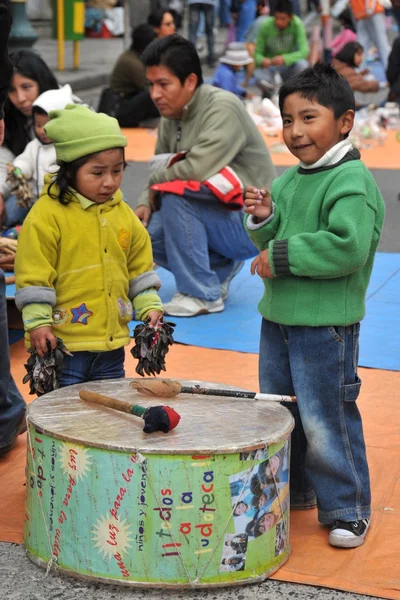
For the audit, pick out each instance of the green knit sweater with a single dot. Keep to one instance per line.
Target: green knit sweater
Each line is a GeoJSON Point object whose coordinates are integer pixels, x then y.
{"type": "Point", "coordinates": [322, 242]}
{"type": "Point", "coordinates": [291, 43]}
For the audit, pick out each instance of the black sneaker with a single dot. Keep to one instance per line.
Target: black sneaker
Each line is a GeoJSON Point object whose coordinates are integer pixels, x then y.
{"type": "Point", "coordinates": [349, 534]}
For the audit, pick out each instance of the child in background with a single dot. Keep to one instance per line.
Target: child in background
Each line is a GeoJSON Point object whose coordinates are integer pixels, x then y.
{"type": "Point", "coordinates": [226, 75]}
{"type": "Point", "coordinates": [83, 256]}
{"type": "Point", "coordinates": [348, 33]}
{"type": "Point", "coordinates": [39, 156]}
{"type": "Point", "coordinates": [317, 234]}
{"type": "Point", "coordinates": [346, 63]}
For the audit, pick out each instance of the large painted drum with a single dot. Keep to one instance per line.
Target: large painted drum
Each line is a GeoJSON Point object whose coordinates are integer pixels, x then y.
{"type": "Point", "coordinates": [204, 505]}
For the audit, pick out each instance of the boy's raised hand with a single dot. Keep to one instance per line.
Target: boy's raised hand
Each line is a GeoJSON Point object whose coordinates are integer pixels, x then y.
{"type": "Point", "coordinates": [258, 203]}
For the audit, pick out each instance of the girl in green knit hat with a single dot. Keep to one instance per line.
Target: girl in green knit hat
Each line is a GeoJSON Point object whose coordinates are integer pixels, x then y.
{"type": "Point", "coordinates": [84, 260]}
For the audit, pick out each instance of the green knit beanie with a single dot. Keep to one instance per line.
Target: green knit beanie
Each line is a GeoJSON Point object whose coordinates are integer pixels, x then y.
{"type": "Point", "coordinates": [78, 131]}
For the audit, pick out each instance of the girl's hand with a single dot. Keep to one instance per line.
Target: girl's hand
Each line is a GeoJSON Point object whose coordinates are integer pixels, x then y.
{"type": "Point", "coordinates": [154, 315]}
{"type": "Point", "coordinates": [258, 203]}
{"type": "Point", "coordinates": [261, 266]}
{"type": "Point", "coordinates": [39, 338]}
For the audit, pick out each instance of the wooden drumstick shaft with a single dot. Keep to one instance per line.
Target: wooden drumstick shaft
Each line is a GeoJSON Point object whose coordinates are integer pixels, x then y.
{"type": "Point", "coordinates": [120, 405]}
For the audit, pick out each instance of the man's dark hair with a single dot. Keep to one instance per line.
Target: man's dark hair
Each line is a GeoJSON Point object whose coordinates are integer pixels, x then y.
{"type": "Point", "coordinates": [323, 85]}
{"type": "Point", "coordinates": [142, 36]}
{"type": "Point", "coordinates": [177, 54]}
{"type": "Point", "coordinates": [283, 6]}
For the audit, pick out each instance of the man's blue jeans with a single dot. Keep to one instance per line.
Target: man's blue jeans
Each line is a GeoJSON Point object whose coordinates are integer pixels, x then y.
{"type": "Point", "coordinates": [198, 240]}
{"type": "Point", "coordinates": [246, 16]}
{"type": "Point", "coordinates": [93, 366]}
{"type": "Point", "coordinates": [286, 72]}
{"type": "Point", "coordinates": [195, 10]}
{"type": "Point", "coordinates": [319, 366]}
{"type": "Point", "coordinates": [12, 405]}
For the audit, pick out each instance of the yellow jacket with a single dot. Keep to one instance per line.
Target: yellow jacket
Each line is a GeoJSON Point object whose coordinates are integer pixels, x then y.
{"type": "Point", "coordinates": [79, 267]}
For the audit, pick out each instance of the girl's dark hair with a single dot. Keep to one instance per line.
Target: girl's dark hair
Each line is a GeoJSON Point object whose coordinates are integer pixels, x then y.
{"type": "Point", "coordinates": [156, 17]}
{"type": "Point", "coordinates": [38, 110]}
{"type": "Point", "coordinates": [346, 19]}
{"type": "Point", "coordinates": [347, 53]}
{"type": "Point", "coordinates": [177, 54]}
{"type": "Point", "coordinates": [65, 177]}
{"type": "Point", "coordinates": [323, 85]}
{"type": "Point", "coordinates": [30, 65]}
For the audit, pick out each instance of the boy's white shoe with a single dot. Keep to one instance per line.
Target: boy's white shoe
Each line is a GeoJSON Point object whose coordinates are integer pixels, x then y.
{"type": "Point", "coordinates": [182, 305]}
{"type": "Point", "coordinates": [349, 534]}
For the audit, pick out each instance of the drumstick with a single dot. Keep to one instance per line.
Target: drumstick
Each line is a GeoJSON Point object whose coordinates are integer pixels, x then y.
{"type": "Point", "coordinates": [168, 389]}
{"type": "Point", "coordinates": [156, 418]}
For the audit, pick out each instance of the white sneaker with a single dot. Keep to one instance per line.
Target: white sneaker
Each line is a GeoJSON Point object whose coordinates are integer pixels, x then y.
{"type": "Point", "coordinates": [238, 265]}
{"type": "Point", "coordinates": [182, 305]}
{"type": "Point", "coordinates": [349, 534]}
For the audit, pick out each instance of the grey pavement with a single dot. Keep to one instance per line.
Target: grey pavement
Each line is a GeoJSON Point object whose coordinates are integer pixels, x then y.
{"type": "Point", "coordinates": [22, 580]}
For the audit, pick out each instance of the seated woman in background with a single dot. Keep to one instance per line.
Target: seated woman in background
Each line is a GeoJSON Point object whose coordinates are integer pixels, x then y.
{"type": "Point", "coordinates": [347, 33]}
{"type": "Point", "coordinates": [128, 97]}
{"type": "Point", "coordinates": [346, 63]}
{"type": "Point", "coordinates": [31, 78]}
{"type": "Point", "coordinates": [162, 22]}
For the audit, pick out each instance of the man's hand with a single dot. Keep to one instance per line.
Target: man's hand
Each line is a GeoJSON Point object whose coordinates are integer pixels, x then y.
{"type": "Point", "coordinates": [143, 212]}
{"type": "Point", "coordinates": [258, 203]}
{"type": "Point", "coordinates": [261, 266]}
{"type": "Point", "coordinates": [266, 62]}
{"type": "Point", "coordinates": [2, 131]}
{"type": "Point", "coordinates": [278, 61]}
{"type": "Point", "coordinates": [39, 338]}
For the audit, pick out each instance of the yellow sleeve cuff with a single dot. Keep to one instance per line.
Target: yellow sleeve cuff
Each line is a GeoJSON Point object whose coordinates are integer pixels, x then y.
{"type": "Point", "coordinates": [37, 315]}
{"type": "Point", "coordinates": [145, 302]}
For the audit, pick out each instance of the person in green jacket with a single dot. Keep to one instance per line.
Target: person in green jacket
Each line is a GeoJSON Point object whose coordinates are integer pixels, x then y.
{"type": "Point", "coordinates": [281, 47]}
{"type": "Point", "coordinates": [317, 234]}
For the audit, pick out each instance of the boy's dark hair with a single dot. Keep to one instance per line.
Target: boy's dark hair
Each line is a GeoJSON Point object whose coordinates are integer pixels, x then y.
{"type": "Point", "coordinates": [283, 6]}
{"type": "Point", "coordinates": [347, 53]}
{"type": "Point", "coordinates": [323, 85]}
{"type": "Point", "coordinates": [65, 177]}
{"type": "Point", "coordinates": [142, 36]}
{"type": "Point", "coordinates": [177, 54]}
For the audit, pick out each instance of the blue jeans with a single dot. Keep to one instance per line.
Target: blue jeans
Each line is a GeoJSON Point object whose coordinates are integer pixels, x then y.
{"type": "Point", "coordinates": [225, 12]}
{"type": "Point", "coordinates": [15, 215]}
{"type": "Point", "coordinates": [12, 405]}
{"type": "Point", "coordinates": [246, 16]}
{"type": "Point", "coordinates": [198, 240]}
{"type": "Point", "coordinates": [208, 11]}
{"type": "Point", "coordinates": [285, 72]}
{"type": "Point", "coordinates": [93, 366]}
{"type": "Point", "coordinates": [319, 366]}
{"type": "Point", "coordinates": [372, 31]}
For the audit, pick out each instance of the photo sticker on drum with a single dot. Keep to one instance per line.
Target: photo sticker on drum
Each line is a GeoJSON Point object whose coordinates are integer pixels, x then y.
{"type": "Point", "coordinates": [234, 552]}
{"type": "Point", "coordinates": [260, 494]}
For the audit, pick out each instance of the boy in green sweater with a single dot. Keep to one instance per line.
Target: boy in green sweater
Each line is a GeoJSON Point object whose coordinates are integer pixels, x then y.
{"type": "Point", "coordinates": [318, 232]}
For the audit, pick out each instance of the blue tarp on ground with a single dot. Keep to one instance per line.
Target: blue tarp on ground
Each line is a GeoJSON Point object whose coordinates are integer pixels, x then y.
{"type": "Point", "coordinates": [237, 327]}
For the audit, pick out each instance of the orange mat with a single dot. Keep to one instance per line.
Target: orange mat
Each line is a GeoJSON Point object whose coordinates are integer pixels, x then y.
{"type": "Point", "coordinates": [371, 569]}
{"type": "Point", "coordinates": [141, 144]}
